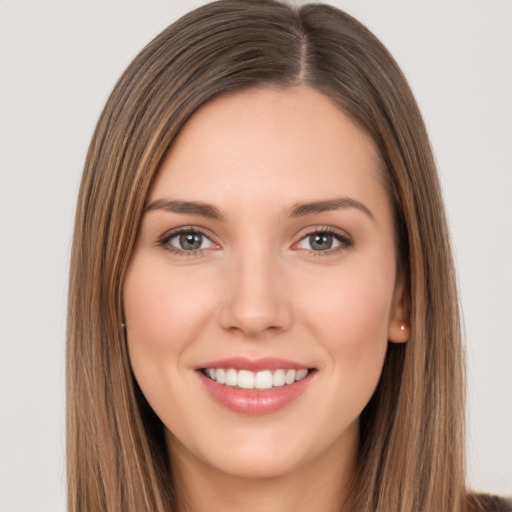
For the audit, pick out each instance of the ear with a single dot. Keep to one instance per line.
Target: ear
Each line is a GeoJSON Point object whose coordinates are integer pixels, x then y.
{"type": "Point", "coordinates": [399, 316]}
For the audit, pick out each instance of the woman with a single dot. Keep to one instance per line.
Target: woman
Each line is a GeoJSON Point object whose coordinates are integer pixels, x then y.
{"type": "Point", "coordinates": [306, 354]}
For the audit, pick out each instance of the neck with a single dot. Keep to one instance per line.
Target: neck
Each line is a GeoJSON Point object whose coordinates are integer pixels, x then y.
{"type": "Point", "coordinates": [320, 485]}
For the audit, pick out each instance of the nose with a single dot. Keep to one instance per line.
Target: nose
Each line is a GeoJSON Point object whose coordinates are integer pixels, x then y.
{"type": "Point", "coordinates": [255, 300]}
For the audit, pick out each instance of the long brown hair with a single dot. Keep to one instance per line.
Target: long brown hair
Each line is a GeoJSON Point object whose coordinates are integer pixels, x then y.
{"type": "Point", "coordinates": [412, 431]}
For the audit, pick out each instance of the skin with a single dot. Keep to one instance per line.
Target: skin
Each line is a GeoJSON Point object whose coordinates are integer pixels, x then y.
{"type": "Point", "coordinates": [258, 288]}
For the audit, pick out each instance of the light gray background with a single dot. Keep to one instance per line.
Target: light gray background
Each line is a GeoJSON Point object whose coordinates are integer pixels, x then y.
{"type": "Point", "coordinates": [58, 63]}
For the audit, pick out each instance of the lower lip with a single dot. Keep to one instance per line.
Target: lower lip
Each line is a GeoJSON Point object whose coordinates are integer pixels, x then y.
{"type": "Point", "coordinates": [255, 402]}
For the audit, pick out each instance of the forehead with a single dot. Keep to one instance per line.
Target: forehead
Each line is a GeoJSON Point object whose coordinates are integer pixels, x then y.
{"type": "Point", "coordinates": [267, 144]}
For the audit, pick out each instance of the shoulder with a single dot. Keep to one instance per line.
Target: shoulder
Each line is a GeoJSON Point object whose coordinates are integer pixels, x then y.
{"type": "Point", "coordinates": [488, 503]}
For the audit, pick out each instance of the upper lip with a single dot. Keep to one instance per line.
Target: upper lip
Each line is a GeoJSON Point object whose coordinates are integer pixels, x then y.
{"type": "Point", "coordinates": [254, 365]}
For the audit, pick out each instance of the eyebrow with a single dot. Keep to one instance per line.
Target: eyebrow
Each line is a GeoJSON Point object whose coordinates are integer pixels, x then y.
{"type": "Point", "coordinates": [302, 209]}
{"type": "Point", "coordinates": [297, 210]}
{"type": "Point", "coordinates": [186, 207]}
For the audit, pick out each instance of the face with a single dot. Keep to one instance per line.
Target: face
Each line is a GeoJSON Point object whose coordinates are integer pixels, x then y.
{"type": "Point", "coordinates": [262, 291]}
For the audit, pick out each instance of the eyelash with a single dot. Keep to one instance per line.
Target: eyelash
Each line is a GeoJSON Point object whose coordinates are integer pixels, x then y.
{"type": "Point", "coordinates": [345, 241]}
{"type": "Point", "coordinates": [164, 240]}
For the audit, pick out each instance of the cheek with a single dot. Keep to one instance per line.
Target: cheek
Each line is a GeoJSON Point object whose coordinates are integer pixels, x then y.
{"type": "Point", "coordinates": [350, 321]}
{"type": "Point", "coordinates": [163, 309]}
{"type": "Point", "coordinates": [353, 307]}
{"type": "Point", "coordinates": [163, 314]}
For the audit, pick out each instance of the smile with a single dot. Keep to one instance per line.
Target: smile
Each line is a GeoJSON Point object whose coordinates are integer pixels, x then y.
{"type": "Point", "coordinates": [255, 387]}
{"type": "Point", "coordinates": [246, 379]}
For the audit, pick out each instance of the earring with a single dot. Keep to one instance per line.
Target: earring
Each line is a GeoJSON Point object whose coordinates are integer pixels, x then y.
{"type": "Point", "coordinates": [123, 326]}
{"type": "Point", "coordinates": [402, 327]}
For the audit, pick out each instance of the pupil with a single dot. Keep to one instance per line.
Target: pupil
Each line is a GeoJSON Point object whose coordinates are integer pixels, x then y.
{"type": "Point", "coordinates": [321, 242]}
{"type": "Point", "coordinates": [191, 241]}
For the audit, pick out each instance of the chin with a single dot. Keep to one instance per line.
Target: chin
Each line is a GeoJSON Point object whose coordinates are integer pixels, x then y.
{"type": "Point", "coordinates": [257, 464]}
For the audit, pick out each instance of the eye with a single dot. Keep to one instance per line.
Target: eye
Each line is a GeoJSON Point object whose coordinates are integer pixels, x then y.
{"type": "Point", "coordinates": [324, 241]}
{"type": "Point", "coordinates": [186, 241]}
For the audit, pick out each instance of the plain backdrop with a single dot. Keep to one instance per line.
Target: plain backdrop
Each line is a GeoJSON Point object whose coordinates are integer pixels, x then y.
{"type": "Point", "coordinates": [58, 63]}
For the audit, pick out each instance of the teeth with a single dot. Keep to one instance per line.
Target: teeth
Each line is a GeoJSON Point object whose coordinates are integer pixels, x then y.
{"type": "Point", "coordinates": [279, 378]}
{"type": "Point", "coordinates": [263, 380]}
{"type": "Point", "coordinates": [220, 376]}
{"type": "Point", "coordinates": [300, 374]}
{"type": "Point", "coordinates": [246, 379]}
{"type": "Point", "coordinates": [232, 377]}
{"type": "Point", "coordinates": [290, 376]}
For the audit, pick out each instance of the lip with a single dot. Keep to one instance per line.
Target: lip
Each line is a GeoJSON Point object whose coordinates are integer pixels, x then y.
{"type": "Point", "coordinates": [254, 365]}
{"type": "Point", "coordinates": [254, 402]}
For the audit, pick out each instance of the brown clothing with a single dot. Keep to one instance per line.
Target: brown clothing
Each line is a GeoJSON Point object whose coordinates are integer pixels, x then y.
{"type": "Point", "coordinates": [488, 503]}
